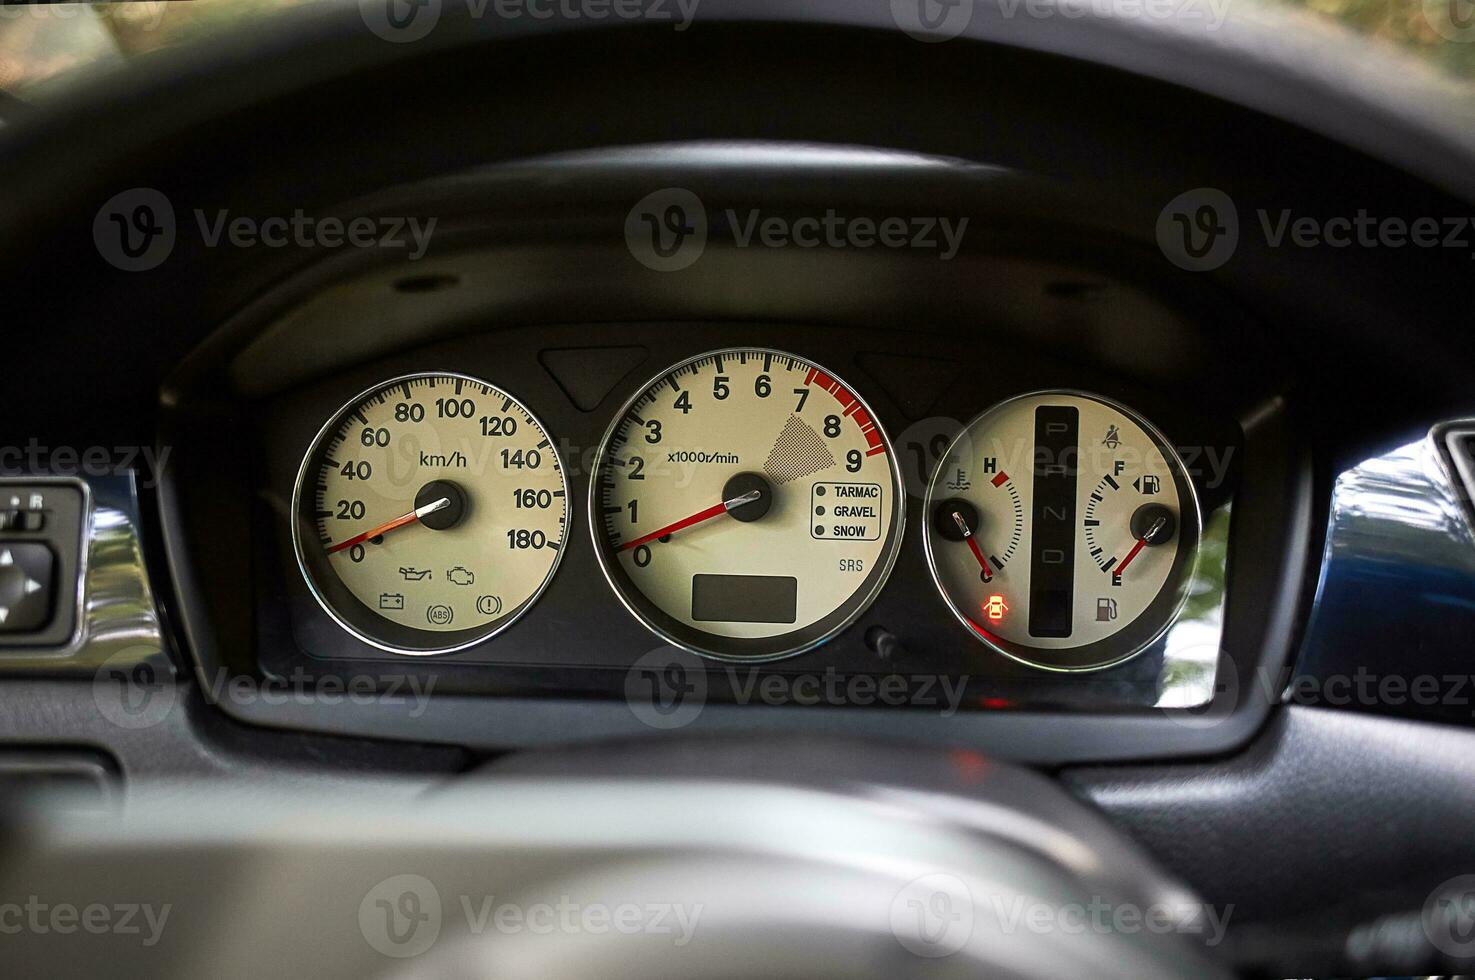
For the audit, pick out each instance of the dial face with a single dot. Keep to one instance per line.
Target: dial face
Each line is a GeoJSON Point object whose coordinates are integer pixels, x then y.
{"type": "Point", "coordinates": [430, 513]}
{"type": "Point", "coordinates": [746, 505]}
{"type": "Point", "coordinates": [1062, 530]}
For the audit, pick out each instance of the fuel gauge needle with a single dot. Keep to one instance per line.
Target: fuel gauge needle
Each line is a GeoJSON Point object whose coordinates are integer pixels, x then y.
{"type": "Point", "coordinates": [388, 526]}
{"type": "Point", "coordinates": [701, 516]}
{"type": "Point", "coordinates": [967, 533]}
{"type": "Point", "coordinates": [1157, 526]}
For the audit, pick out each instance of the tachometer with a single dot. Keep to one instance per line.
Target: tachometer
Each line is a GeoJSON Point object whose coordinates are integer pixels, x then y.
{"type": "Point", "coordinates": [746, 505]}
{"type": "Point", "coordinates": [430, 513]}
{"type": "Point", "coordinates": [1062, 530]}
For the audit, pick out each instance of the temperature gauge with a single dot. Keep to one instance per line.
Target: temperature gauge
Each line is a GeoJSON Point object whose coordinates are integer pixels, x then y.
{"type": "Point", "coordinates": [1062, 530]}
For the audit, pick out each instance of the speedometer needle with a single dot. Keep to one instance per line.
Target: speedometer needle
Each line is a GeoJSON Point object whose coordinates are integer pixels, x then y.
{"type": "Point", "coordinates": [388, 526]}
{"type": "Point", "coordinates": [716, 510]}
{"type": "Point", "coordinates": [973, 545]}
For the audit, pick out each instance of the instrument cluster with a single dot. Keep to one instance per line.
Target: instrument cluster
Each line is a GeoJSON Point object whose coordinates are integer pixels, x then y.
{"type": "Point", "coordinates": [747, 505]}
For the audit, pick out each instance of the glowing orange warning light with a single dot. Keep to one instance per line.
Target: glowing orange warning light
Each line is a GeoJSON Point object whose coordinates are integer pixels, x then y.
{"type": "Point", "coordinates": [995, 608]}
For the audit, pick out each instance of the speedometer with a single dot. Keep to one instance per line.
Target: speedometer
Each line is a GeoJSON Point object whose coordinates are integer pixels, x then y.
{"type": "Point", "coordinates": [430, 513]}
{"type": "Point", "coordinates": [746, 505]}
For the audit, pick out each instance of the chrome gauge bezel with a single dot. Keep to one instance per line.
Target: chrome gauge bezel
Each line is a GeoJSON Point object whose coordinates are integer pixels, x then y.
{"type": "Point", "coordinates": [328, 605]}
{"type": "Point", "coordinates": [1159, 616]}
{"type": "Point", "coordinates": [858, 603]}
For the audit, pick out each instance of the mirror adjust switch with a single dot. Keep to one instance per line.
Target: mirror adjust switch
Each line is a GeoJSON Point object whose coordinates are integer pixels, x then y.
{"type": "Point", "coordinates": [22, 520]}
{"type": "Point", "coordinates": [27, 577]}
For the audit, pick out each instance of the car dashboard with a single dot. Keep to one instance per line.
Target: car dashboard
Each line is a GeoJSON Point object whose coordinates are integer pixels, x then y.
{"type": "Point", "coordinates": [572, 432]}
{"type": "Point", "coordinates": [798, 423]}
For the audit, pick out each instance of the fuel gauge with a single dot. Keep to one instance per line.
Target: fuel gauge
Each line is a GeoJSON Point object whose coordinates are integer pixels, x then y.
{"type": "Point", "coordinates": [1063, 530]}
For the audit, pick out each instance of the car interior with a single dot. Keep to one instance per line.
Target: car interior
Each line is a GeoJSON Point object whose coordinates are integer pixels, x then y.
{"type": "Point", "coordinates": [729, 488]}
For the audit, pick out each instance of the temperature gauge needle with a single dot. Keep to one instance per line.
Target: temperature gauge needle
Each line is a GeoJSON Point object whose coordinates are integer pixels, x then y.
{"type": "Point", "coordinates": [967, 533]}
{"type": "Point", "coordinates": [1151, 532]}
{"type": "Point", "coordinates": [716, 510]}
{"type": "Point", "coordinates": [410, 518]}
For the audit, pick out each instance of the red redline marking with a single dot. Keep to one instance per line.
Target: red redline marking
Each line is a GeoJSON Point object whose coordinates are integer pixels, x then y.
{"type": "Point", "coordinates": [1000, 480]}
{"type": "Point", "coordinates": [853, 409]}
{"type": "Point", "coordinates": [816, 376]}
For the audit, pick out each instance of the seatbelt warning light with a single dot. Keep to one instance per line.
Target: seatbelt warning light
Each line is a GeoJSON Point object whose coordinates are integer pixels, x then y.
{"type": "Point", "coordinates": [995, 608]}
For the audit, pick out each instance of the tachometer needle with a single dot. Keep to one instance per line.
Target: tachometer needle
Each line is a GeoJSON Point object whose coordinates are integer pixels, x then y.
{"type": "Point", "coordinates": [1157, 526]}
{"type": "Point", "coordinates": [716, 510]}
{"type": "Point", "coordinates": [967, 533]}
{"type": "Point", "coordinates": [388, 526]}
